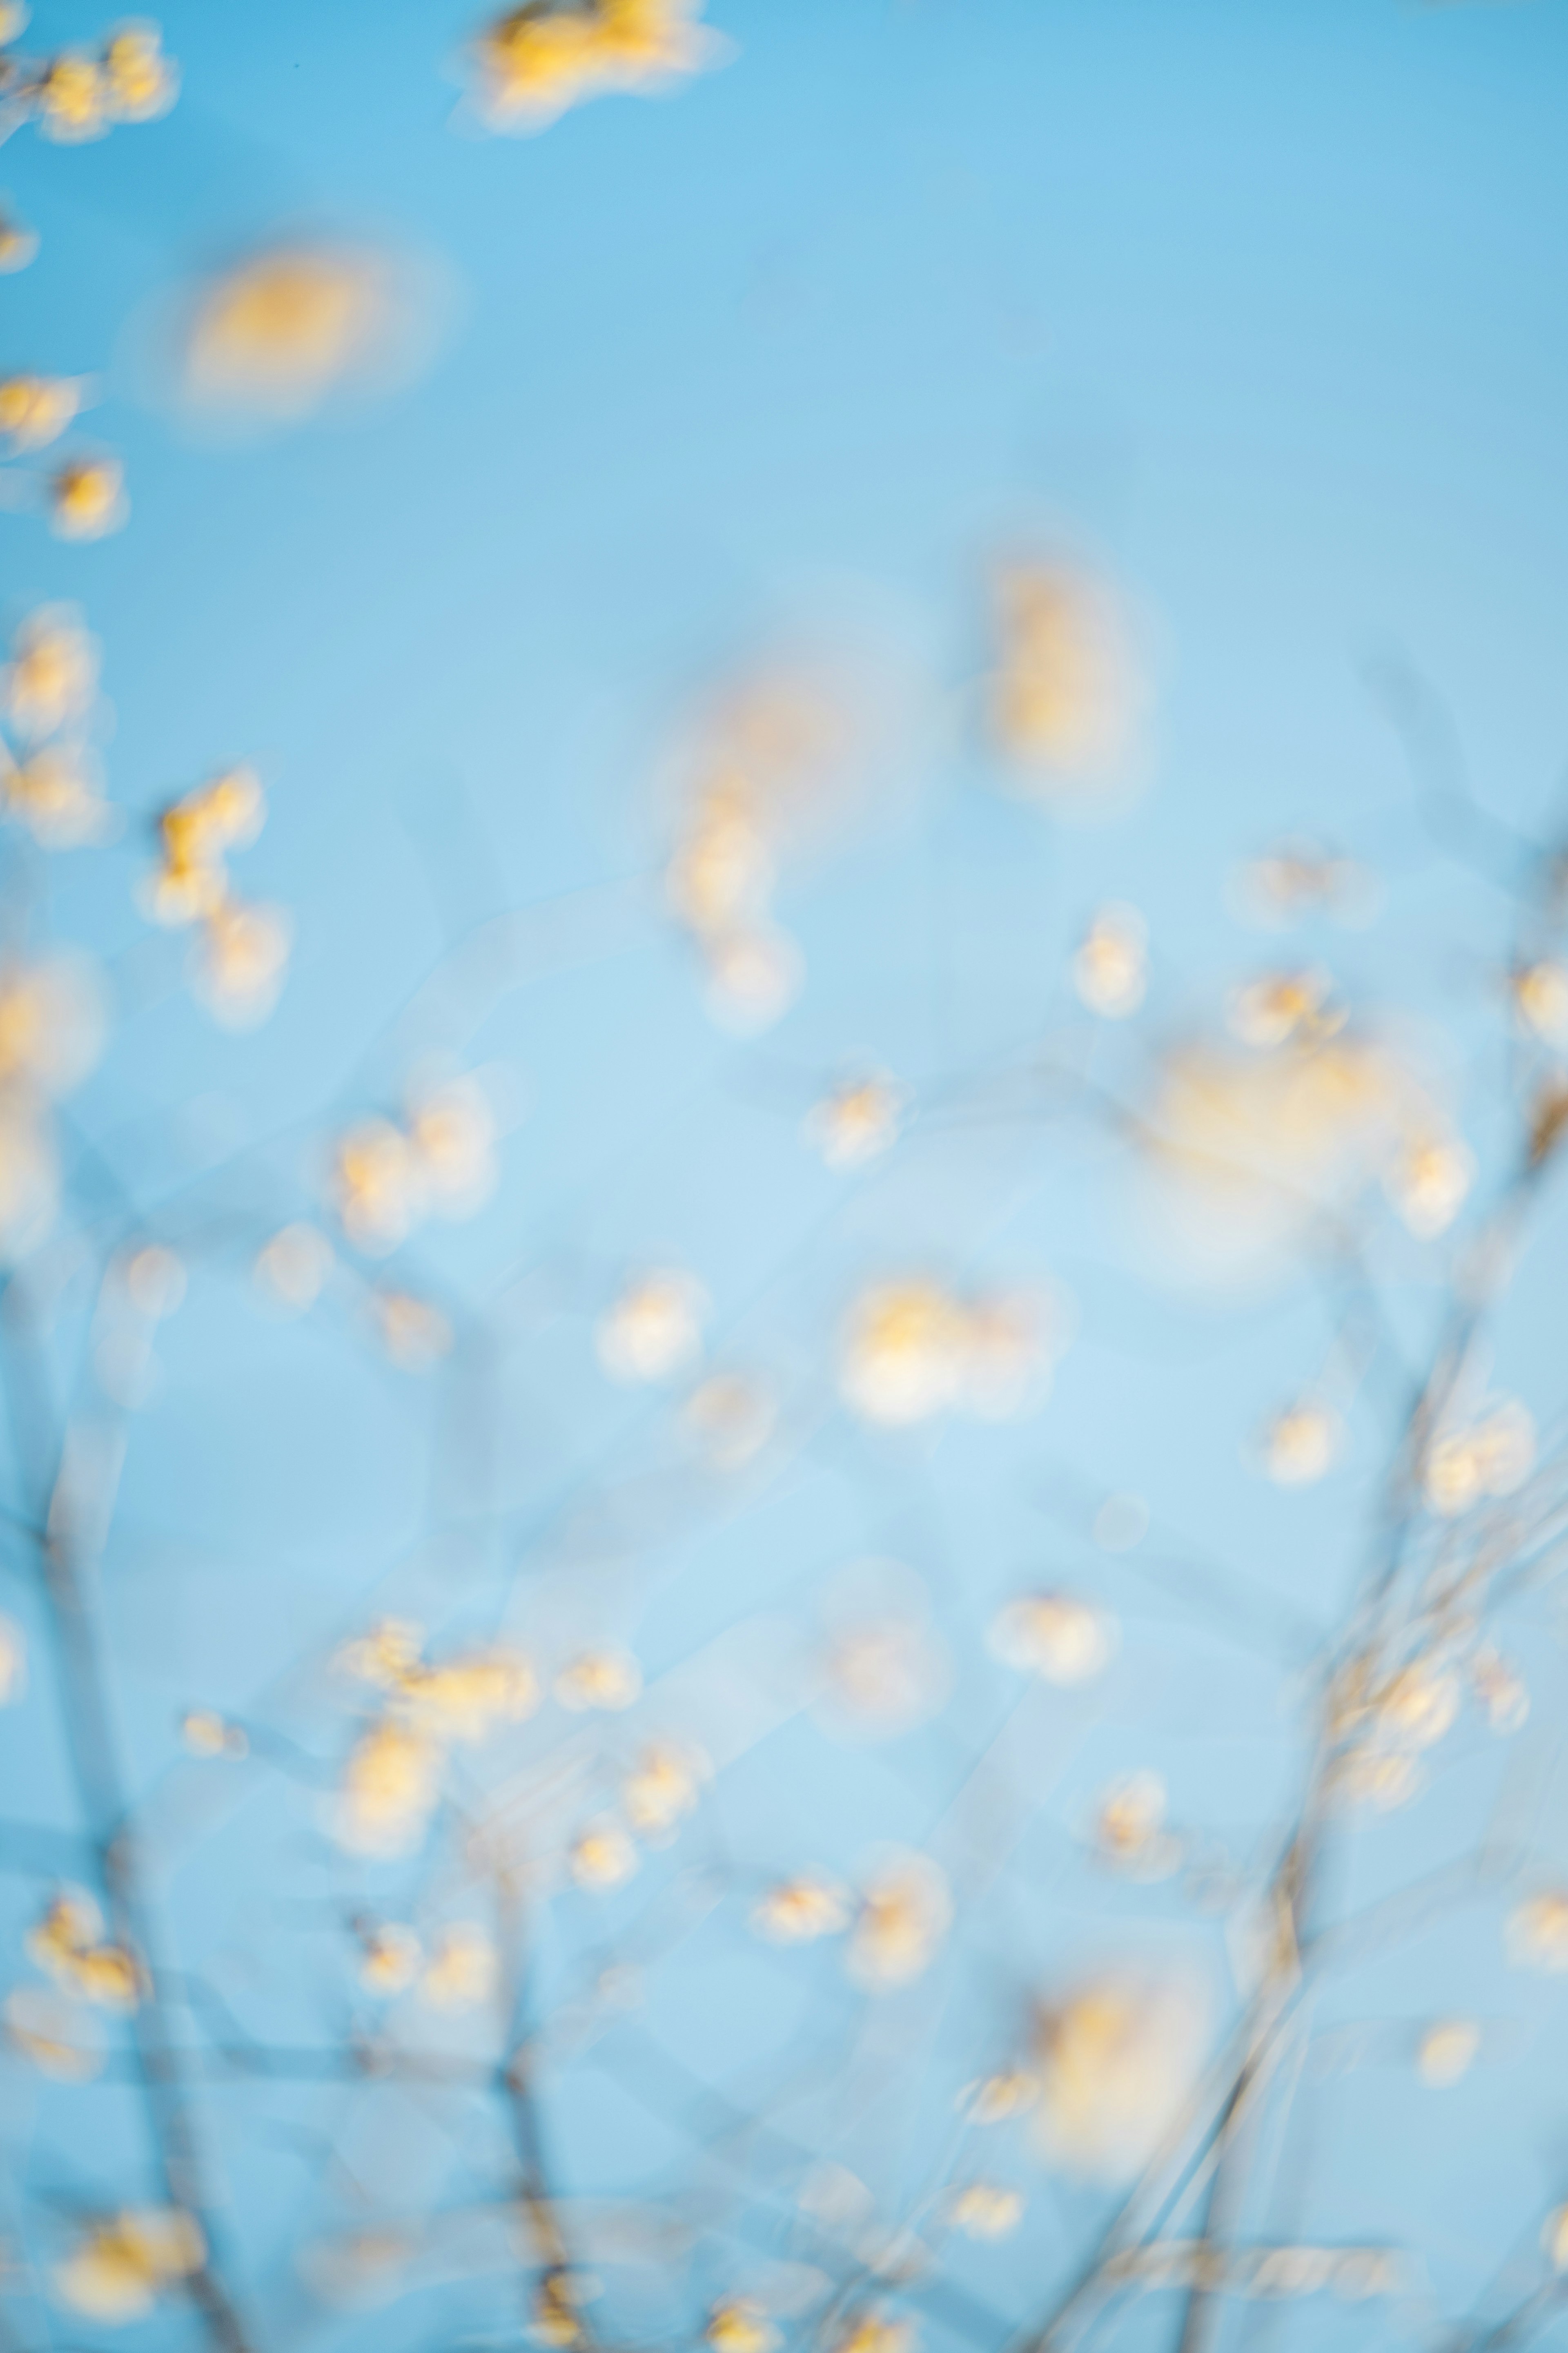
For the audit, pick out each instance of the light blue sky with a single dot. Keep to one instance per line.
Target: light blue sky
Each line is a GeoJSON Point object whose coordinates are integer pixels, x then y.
{"type": "Point", "coordinates": [1262, 306]}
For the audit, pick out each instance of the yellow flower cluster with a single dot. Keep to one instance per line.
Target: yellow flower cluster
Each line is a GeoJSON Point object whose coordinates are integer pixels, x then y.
{"type": "Point", "coordinates": [913, 1349]}
{"type": "Point", "coordinates": [1063, 699]}
{"type": "Point", "coordinates": [80, 94]}
{"type": "Point", "coordinates": [242, 950]}
{"type": "Point", "coordinates": [1492, 1457]}
{"type": "Point", "coordinates": [1298, 878]}
{"type": "Point", "coordinates": [69, 1945]}
{"type": "Point", "coordinates": [36, 409]}
{"type": "Point", "coordinates": [719, 883]}
{"type": "Point", "coordinates": [1115, 2061]}
{"type": "Point", "coordinates": [532, 64]}
{"type": "Point", "coordinates": [799, 1911]}
{"type": "Point", "coordinates": [1383, 1713]}
{"type": "Point", "coordinates": [1298, 1445]}
{"type": "Point", "coordinates": [654, 1329]}
{"type": "Point", "coordinates": [857, 1121]}
{"type": "Point", "coordinates": [904, 1912]}
{"type": "Point", "coordinates": [1056, 1635]}
{"type": "Point", "coordinates": [49, 692]}
{"type": "Point", "coordinates": [439, 1161]}
{"type": "Point", "coordinates": [1111, 964]}
{"type": "Point", "coordinates": [1129, 1830]}
{"type": "Point", "coordinates": [394, 1772]}
{"type": "Point", "coordinates": [19, 243]}
{"type": "Point", "coordinates": [274, 335]}
{"type": "Point", "coordinates": [741, 2326]}
{"type": "Point", "coordinates": [662, 1788]}
{"type": "Point", "coordinates": [118, 2269]}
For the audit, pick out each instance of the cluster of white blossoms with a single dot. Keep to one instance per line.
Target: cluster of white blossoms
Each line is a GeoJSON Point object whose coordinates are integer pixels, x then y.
{"type": "Point", "coordinates": [120, 2267]}
{"type": "Point", "coordinates": [241, 952]}
{"type": "Point", "coordinates": [1386, 1713]}
{"type": "Point", "coordinates": [896, 1920]}
{"type": "Point", "coordinates": [69, 1946]}
{"type": "Point", "coordinates": [395, 1771]}
{"type": "Point", "coordinates": [439, 1160]}
{"type": "Point", "coordinates": [1110, 963]}
{"type": "Point", "coordinates": [1065, 698]}
{"type": "Point", "coordinates": [653, 1330]}
{"type": "Point", "coordinates": [914, 1348]}
{"type": "Point", "coordinates": [858, 1120]}
{"type": "Point", "coordinates": [1058, 1636]}
{"type": "Point", "coordinates": [532, 63]}
{"type": "Point", "coordinates": [48, 696]}
{"type": "Point", "coordinates": [1489, 1457]}
{"type": "Point", "coordinates": [1115, 2061]}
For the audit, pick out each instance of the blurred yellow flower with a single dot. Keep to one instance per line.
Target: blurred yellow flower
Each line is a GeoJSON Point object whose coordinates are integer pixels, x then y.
{"type": "Point", "coordinates": [1110, 965]}
{"type": "Point", "coordinates": [982, 2210]}
{"type": "Point", "coordinates": [654, 1327]}
{"type": "Point", "coordinates": [904, 1352]}
{"type": "Point", "coordinates": [1428, 1180]}
{"type": "Point", "coordinates": [857, 1121]}
{"type": "Point", "coordinates": [36, 409]}
{"type": "Point", "coordinates": [54, 793]}
{"type": "Point", "coordinates": [608, 1679]}
{"type": "Point", "coordinates": [1064, 699]}
{"type": "Point", "coordinates": [872, 2332]}
{"type": "Point", "coordinates": [1500, 1690]}
{"type": "Point", "coordinates": [390, 1955]}
{"type": "Point", "coordinates": [798, 1911]}
{"type": "Point", "coordinates": [195, 836]}
{"type": "Point", "coordinates": [1130, 1827]}
{"type": "Point", "coordinates": [755, 975]}
{"type": "Point", "coordinates": [1054, 1635]}
{"type": "Point", "coordinates": [415, 1335]}
{"type": "Point", "coordinates": [19, 243]}
{"type": "Point", "coordinates": [1555, 2238]}
{"type": "Point", "coordinates": [378, 1184]}
{"type": "Point", "coordinates": [1493, 1457]}
{"type": "Point", "coordinates": [241, 960]}
{"type": "Point", "coordinates": [120, 2268]}
{"type": "Point", "coordinates": [1117, 2059]}
{"type": "Point", "coordinates": [739, 2327]}
{"type": "Point", "coordinates": [294, 1266]}
{"type": "Point", "coordinates": [142, 83]}
{"type": "Point", "coordinates": [662, 1788]}
{"type": "Point", "coordinates": [601, 1856]}
{"type": "Point", "coordinates": [905, 1911]}
{"type": "Point", "coordinates": [1446, 2050]}
{"type": "Point", "coordinates": [1000, 2098]}
{"type": "Point", "coordinates": [530, 65]}
{"type": "Point", "coordinates": [555, 2320]}
{"type": "Point", "coordinates": [52, 675]}
{"type": "Point", "coordinates": [1538, 1932]}
{"type": "Point", "coordinates": [1300, 1444]}
{"type": "Point", "coordinates": [463, 1968]}
{"type": "Point", "coordinates": [275, 334]}
{"type": "Point", "coordinates": [85, 497]}
{"type": "Point", "coordinates": [12, 1662]}
{"type": "Point", "coordinates": [1541, 994]}
{"type": "Point", "coordinates": [390, 1788]}
{"type": "Point", "coordinates": [74, 98]}
{"type": "Point", "coordinates": [67, 1945]}
{"type": "Point", "coordinates": [452, 1131]}
{"type": "Point", "coordinates": [208, 1734]}
{"type": "Point", "coordinates": [1282, 1006]}
{"type": "Point", "coordinates": [52, 2035]}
